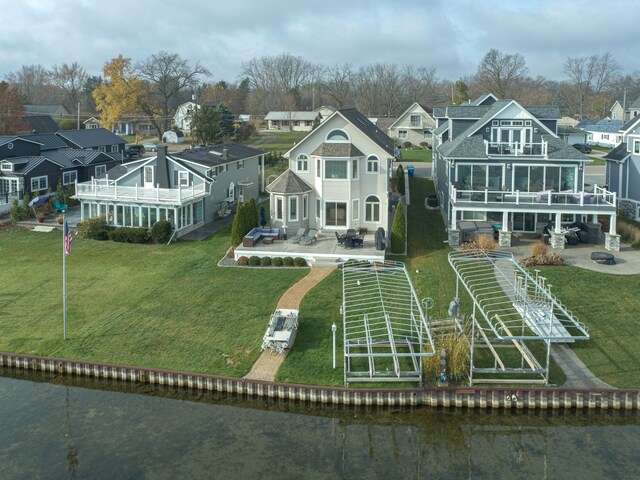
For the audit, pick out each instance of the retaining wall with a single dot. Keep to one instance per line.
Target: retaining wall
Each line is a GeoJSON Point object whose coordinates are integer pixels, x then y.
{"type": "Point", "coordinates": [470, 397]}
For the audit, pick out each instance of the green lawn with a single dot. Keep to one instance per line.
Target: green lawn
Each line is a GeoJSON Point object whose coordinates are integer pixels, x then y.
{"type": "Point", "coordinates": [601, 149]}
{"type": "Point", "coordinates": [158, 306]}
{"type": "Point", "coordinates": [128, 138]}
{"type": "Point", "coordinates": [281, 141]}
{"type": "Point", "coordinates": [416, 155]}
{"type": "Point", "coordinates": [596, 161]}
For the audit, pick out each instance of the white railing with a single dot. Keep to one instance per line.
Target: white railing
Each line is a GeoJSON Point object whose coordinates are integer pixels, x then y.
{"type": "Point", "coordinates": [516, 149]}
{"type": "Point", "coordinates": [104, 189]}
{"type": "Point", "coordinates": [599, 197]}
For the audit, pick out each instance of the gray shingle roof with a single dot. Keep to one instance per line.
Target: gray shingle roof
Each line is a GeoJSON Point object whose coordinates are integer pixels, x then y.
{"type": "Point", "coordinates": [604, 126]}
{"type": "Point", "coordinates": [45, 110]}
{"type": "Point", "coordinates": [631, 123]}
{"type": "Point", "coordinates": [212, 155]}
{"type": "Point", "coordinates": [41, 123]}
{"type": "Point", "coordinates": [337, 150]}
{"type": "Point", "coordinates": [49, 141]}
{"type": "Point", "coordinates": [441, 129]}
{"type": "Point", "coordinates": [468, 111]}
{"type": "Point", "coordinates": [289, 184]}
{"type": "Point", "coordinates": [70, 157]}
{"type": "Point", "coordinates": [439, 112]}
{"type": "Point", "coordinates": [90, 138]}
{"type": "Point", "coordinates": [303, 116]}
{"type": "Point", "coordinates": [369, 129]}
{"type": "Point", "coordinates": [618, 154]}
{"type": "Point", "coordinates": [545, 112]}
{"type": "Point", "coordinates": [635, 104]}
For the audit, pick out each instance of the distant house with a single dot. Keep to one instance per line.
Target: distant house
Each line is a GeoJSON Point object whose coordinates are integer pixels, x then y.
{"type": "Point", "coordinates": [414, 125]}
{"type": "Point", "coordinates": [92, 123]}
{"type": "Point", "coordinates": [183, 116]}
{"type": "Point", "coordinates": [173, 136]}
{"type": "Point", "coordinates": [325, 111]}
{"type": "Point", "coordinates": [93, 139]}
{"type": "Point", "coordinates": [189, 188]}
{"type": "Point", "coordinates": [55, 111]}
{"type": "Point", "coordinates": [604, 133]}
{"type": "Point", "coordinates": [40, 124]}
{"type": "Point", "coordinates": [633, 110]}
{"type": "Point", "coordinates": [571, 135]}
{"type": "Point", "coordinates": [616, 112]}
{"type": "Point", "coordinates": [572, 122]}
{"type": "Point", "coordinates": [292, 121]}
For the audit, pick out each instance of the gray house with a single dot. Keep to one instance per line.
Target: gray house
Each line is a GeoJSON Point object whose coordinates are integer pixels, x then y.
{"type": "Point", "coordinates": [189, 188]}
{"type": "Point", "coordinates": [623, 169]}
{"type": "Point", "coordinates": [499, 166]}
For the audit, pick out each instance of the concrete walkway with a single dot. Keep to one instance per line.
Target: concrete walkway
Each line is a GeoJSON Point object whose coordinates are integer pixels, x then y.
{"type": "Point", "coordinates": [267, 365]}
{"type": "Point", "coordinates": [578, 375]}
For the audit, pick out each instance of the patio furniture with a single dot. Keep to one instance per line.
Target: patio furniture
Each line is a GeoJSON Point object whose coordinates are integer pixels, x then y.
{"type": "Point", "coordinates": [298, 236]}
{"type": "Point", "coordinates": [340, 239]}
{"type": "Point", "coordinates": [309, 238]}
{"type": "Point", "coordinates": [254, 236]}
{"type": "Point", "coordinates": [603, 258]}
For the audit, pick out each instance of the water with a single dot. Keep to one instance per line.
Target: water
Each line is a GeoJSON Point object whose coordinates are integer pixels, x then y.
{"type": "Point", "coordinates": [53, 430]}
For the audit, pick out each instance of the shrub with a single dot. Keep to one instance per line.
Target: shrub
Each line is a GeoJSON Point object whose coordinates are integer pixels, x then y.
{"type": "Point", "coordinates": [400, 180]}
{"type": "Point", "coordinates": [486, 242]}
{"type": "Point", "coordinates": [630, 232]}
{"type": "Point", "coordinates": [265, 262]}
{"type": "Point", "coordinates": [398, 238]}
{"type": "Point", "coordinates": [287, 261]}
{"type": "Point", "coordinates": [424, 145]}
{"type": "Point", "coordinates": [277, 262]}
{"type": "Point", "coordinates": [254, 261]}
{"type": "Point", "coordinates": [299, 262]}
{"type": "Point", "coordinates": [129, 235]}
{"type": "Point", "coordinates": [538, 249]}
{"type": "Point", "coordinates": [17, 212]}
{"type": "Point", "coordinates": [551, 259]}
{"type": "Point", "coordinates": [94, 228]}
{"type": "Point", "coordinates": [161, 231]}
{"type": "Point", "coordinates": [243, 261]}
{"type": "Point", "coordinates": [407, 144]}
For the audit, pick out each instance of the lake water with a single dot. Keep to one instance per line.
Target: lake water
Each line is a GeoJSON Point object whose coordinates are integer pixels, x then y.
{"type": "Point", "coordinates": [88, 429]}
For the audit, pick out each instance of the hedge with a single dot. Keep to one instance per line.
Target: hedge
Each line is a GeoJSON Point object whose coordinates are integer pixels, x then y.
{"type": "Point", "coordinates": [129, 235]}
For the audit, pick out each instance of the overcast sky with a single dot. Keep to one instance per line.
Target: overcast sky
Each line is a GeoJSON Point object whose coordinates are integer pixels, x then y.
{"type": "Point", "coordinates": [452, 35]}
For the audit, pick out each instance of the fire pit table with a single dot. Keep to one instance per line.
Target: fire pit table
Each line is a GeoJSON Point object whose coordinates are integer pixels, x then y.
{"type": "Point", "coordinates": [603, 258]}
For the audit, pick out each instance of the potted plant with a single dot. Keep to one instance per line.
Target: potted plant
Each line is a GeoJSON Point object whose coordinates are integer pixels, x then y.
{"type": "Point", "coordinates": [40, 217]}
{"type": "Point", "coordinates": [60, 219]}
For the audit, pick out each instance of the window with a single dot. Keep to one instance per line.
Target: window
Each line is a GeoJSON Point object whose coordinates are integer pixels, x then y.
{"type": "Point", "coordinates": [636, 147]}
{"type": "Point", "coordinates": [354, 169]}
{"type": "Point", "coordinates": [335, 169]}
{"type": "Point", "coordinates": [7, 167]}
{"type": "Point", "coordinates": [335, 214]}
{"type": "Point", "coordinates": [183, 179]}
{"type": "Point", "coordinates": [536, 178]}
{"type": "Point", "coordinates": [479, 177]}
{"type": "Point", "coordinates": [303, 163]}
{"type": "Point", "coordinates": [373, 164]}
{"type": "Point", "coordinates": [39, 183]}
{"type": "Point", "coordinates": [69, 177]}
{"type": "Point", "coordinates": [372, 209]}
{"type": "Point", "coordinates": [240, 164]}
{"type": "Point", "coordinates": [10, 146]}
{"type": "Point", "coordinates": [402, 134]}
{"type": "Point", "coordinates": [100, 170]}
{"type": "Point", "coordinates": [102, 148]}
{"type": "Point", "coordinates": [148, 174]}
{"type": "Point", "coordinates": [305, 207]}
{"type": "Point", "coordinates": [605, 136]}
{"type": "Point", "coordinates": [337, 136]}
{"type": "Point", "coordinates": [114, 148]}
{"type": "Point", "coordinates": [416, 120]}
{"type": "Point", "coordinates": [318, 168]}
{"type": "Point", "coordinates": [279, 208]}
{"type": "Point", "coordinates": [293, 208]}
{"type": "Point", "coordinates": [318, 207]}
{"type": "Point", "coordinates": [355, 209]}
{"type": "Point", "coordinates": [427, 134]}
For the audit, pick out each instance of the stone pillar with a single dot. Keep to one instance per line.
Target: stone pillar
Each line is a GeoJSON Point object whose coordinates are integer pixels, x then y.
{"type": "Point", "coordinates": [557, 240]}
{"type": "Point", "coordinates": [454, 237]}
{"type": "Point", "coordinates": [612, 242]}
{"type": "Point", "coordinates": [504, 238]}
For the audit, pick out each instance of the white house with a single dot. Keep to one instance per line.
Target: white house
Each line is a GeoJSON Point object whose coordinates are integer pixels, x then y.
{"type": "Point", "coordinates": [338, 177]}
{"type": "Point", "coordinates": [414, 126]}
{"type": "Point", "coordinates": [605, 133]}
{"type": "Point", "coordinates": [292, 121]}
{"type": "Point", "coordinates": [182, 118]}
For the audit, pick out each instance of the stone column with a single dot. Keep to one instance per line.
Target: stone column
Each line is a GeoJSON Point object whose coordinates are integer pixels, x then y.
{"type": "Point", "coordinates": [504, 238]}
{"type": "Point", "coordinates": [557, 240]}
{"type": "Point", "coordinates": [454, 237]}
{"type": "Point", "coordinates": [612, 242]}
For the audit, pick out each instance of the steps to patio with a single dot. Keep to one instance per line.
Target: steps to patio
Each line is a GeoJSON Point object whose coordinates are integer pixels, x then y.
{"type": "Point", "coordinates": [267, 365]}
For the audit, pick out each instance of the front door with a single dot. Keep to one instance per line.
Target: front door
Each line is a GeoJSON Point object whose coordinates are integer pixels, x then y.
{"type": "Point", "coordinates": [148, 176]}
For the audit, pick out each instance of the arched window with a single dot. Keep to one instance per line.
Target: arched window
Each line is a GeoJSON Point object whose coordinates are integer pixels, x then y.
{"type": "Point", "coordinates": [337, 136]}
{"type": "Point", "coordinates": [303, 163]}
{"type": "Point", "coordinates": [372, 209]}
{"type": "Point", "coordinates": [373, 164]}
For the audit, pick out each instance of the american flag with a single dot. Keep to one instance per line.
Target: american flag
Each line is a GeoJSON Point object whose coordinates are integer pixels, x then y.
{"type": "Point", "coordinates": [67, 238]}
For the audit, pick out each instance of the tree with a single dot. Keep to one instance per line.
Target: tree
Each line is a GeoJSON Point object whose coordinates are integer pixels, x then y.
{"type": "Point", "coordinates": [11, 110]}
{"type": "Point", "coordinates": [499, 72]}
{"type": "Point", "coordinates": [398, 234]}
{"type": "Point", "coordinates": [238, 226]}
{"type": "Point", "coordinates": [211, 124]}
{"type": "Point", "coordinates": [34, 84]}
{"type": "Point", "coordinates": [337, 83]}
{"type": "Point", "coordinates": [120, 93]}
{"type": "Point", "coordinates": [90, 84]}
{"type": "Point", "coordinates": [167, 75]}
{"type": "Point", "coordinates": [590, 75]}
{"type": "Point", "coordinates": [461, 92]}
{"type": "Point", "coordinates": [71, 79]}
{"type": "Point", "coordinates": [400, 180]}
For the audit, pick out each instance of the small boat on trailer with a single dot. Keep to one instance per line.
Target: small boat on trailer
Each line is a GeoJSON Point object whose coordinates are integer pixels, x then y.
{"type": "Point", "coordinates": [281, 331]}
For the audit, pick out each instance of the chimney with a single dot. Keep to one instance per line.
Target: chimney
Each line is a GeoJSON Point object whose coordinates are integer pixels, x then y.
{"type": "Point", "coordinates": [225, 153]}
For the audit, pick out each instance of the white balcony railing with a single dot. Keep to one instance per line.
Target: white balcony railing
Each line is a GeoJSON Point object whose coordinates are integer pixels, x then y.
{"type": "Point", "coordinates": [108, 190]}
{"type": "Point", "coordinates": [516, 149]}
{"type": "Point", "coordinates": [601, 197]}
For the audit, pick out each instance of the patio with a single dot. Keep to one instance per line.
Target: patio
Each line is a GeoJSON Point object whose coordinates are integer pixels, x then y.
{"type": "Point", "coordinates": [325, 250]}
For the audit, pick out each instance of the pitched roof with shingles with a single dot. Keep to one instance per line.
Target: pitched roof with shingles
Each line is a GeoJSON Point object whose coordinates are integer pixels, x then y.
{"type": "Point", "coordinates": [631, 123]}
{"type": "Point", "coordinates": [441, 129]}
{"type": "Point", "coordinates": [70, 157]}
{"type": "Point", "coordinates": [41, 123]}
{"type": "Point", "coordinates": [439, 112]}
{"type": "Point", "coordinates": [337, 150]}
{"type": "Point", "coordinates": [544, 112]}
{"type": "Point", "coordinates": [289, 184]}
{"type": "Point", "coordinates": [635, 104]}
{"type": "Point", "coordinates": [90, 138]}
{"type": "Point", "coordinates": [468, 111]}
{"type": "Point", "coordinates": [304, 116]}
{"type": "Point", "coordinates": [369, 129]}
{"type": "Point", "coordinates": [212, 154]}
{"type": "Point", "coordinates": [604, 126]}
{"type": "Point", "coordinates": [45, 110]}
{"type": "Point", "coordinates": [618, 154]}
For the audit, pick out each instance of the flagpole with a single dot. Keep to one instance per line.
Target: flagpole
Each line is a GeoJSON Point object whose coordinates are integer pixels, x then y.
{"type": "Point", "coordinates": [64, 278]}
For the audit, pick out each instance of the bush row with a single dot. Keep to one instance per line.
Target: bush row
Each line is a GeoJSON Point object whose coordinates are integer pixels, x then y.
{"type": "Point", "coordinates": [255, 261]}
{"type": "Point", "coordinates": [96, 228]}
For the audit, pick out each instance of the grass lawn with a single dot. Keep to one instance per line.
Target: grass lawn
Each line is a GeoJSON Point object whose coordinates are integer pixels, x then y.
{"type": "Point", "coordinates": [416, 155]}
{"type": "Point", "coordinates": [128, 138]}
{"type": "Point", "coordinates": [596, 161]}
{"type": "Point", "coordinates": [281, 141]}
{"type": "Point", "coordinates": [601, 149]}
{"type": "Point", "coordinates": [158, 306]}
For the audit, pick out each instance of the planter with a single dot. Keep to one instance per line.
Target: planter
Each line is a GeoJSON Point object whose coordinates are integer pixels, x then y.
{"type": "Point", "coordinates": [40, 219]}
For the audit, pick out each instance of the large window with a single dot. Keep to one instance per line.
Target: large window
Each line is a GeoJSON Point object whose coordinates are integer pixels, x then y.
{"type": "Point", "coordinates": [536, 178]}
{"type": "Point", "coordinates": [336, 214]}
{"type": "Point", "coordinates": [303, 163]}
{"type": "Point", "coordinates": [39, 183]}
{"type": "Point", "coordinates": [337, 136]}
{"type": "Point", "coordinates": [335, 169]}
{"type": "Point", "coordinates": [279, 208]}
{"type": "Point", "coordinates": [69, 177]}
{"type": "Point", "coordinates": [372, 209]}
{"type": "Point", "coordinates": [479, 177]}
{"type": "Point", "coordinates": [373, 164]}
{"type": "Point", "coordinates": [416, 120]}
{"type": "Point", "coordinates": [354, 169]}
{"type": "Point", "coordinates": [293, 208]}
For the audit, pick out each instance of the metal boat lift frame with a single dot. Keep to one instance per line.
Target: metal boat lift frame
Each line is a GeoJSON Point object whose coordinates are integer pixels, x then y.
{"type": "Point", "coordinates": [511, 307]}
{"type": "Point", "coordinates": [385, 332]}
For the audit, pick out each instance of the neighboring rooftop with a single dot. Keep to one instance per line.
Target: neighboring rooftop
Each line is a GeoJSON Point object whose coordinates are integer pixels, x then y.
{"type": "Point", "coordinates": [288, 183]}
{"type": "Point", "coordinates": [90, 138]}
{"type": "Point", "coordinates": [301, 116]}
{"type": "Point", "coordinates": [214, 154]}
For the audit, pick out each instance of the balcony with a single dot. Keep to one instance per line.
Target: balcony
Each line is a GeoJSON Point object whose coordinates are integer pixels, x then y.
{"type": "Point", "coordinates": [516, 149]}
{"type": "Point", "coordinates": [109, 190]}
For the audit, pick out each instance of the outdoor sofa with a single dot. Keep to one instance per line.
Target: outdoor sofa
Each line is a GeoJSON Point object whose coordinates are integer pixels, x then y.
{"type": "Point", "coordinates": [260, 233]}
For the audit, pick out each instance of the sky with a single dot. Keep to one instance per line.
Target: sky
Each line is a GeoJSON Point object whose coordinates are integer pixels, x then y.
{"type": "Point", "coordinates": [451, 35]}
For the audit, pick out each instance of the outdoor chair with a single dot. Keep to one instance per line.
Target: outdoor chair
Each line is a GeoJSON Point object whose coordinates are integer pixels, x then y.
{"type": "Point", "coordinates": [309, 238]}
{"type": "Point", "coordinates": [340, 238]}
{"type": "Point", "coordinates": [299, 235]}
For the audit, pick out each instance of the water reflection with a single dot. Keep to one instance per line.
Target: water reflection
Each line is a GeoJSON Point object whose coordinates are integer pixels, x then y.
{"type": "Point", "coordinates": [61, 430]}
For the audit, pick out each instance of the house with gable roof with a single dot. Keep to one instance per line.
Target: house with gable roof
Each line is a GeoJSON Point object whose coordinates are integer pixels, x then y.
{"type": "Point", "coordinates": [338, 177]}
{"type": "Point", "coordinates": [292, 121]}
{"type": "Point", "coordinates": [500, 167]}
{"type": "Point", "coordinates": [414, 125]}
{"type": "Point", "coordinates": [605, 133]}
{"type": "Point", "coordinates": [188, 188]}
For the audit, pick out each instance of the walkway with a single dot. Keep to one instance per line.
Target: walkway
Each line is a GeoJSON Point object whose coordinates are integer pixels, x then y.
{"type": "Point", "coordinates": [268, 363]}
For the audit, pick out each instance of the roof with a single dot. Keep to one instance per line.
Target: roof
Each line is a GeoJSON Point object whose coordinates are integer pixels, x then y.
{"type": "Point", "coordinates": [69, 157]}
{"type": "Point", "coordinates": [7, 138]}
{"type": "Point", "coordinates": [45, 110]}
{"type": "Point", "coordinates": [439, 112]}
{"type": "Point", "coordinates": [28, 163]}
{"type": "Point", "coordinates": [305, 116]}
{"type": "Point", "coordinates": [544, 112]}
{"type": "Point", "coordinates": [289, 183]}
{"type": "Point", "coordinates": [635, 104]}
{"type": "Point", "coordinates": [337, 150]}
{"type": "Point", "coordinates": [569, 130]}
{"type": "Point", "coordinates": [369, 129]}
{"type": "Point", "coordinates": [604, 126]}
{"type": "Point", "coordinates": [467, 111]}
{"type": "Point", "coordinates": [618, 154]}
{"type": "Point", "coordinates": [41, 123]}
{"type": "Point", "coordinates": [631, 123]}
{"type": "Point", "coordinates": [441, 129]}
{"type": "Point", "coordinates": [484, 99]}
{"type": "Point", "coordinates": [91, 137]}
{"type": "Point", "coordinates": [414, 111]}
{"type": "Point", "coordinates": [49, 141]}
{"type": "Point", "coordinates": [212, 155]}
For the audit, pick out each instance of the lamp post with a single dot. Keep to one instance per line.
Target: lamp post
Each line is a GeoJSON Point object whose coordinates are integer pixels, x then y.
{"type": "Point", "coordinates": [333, 330]}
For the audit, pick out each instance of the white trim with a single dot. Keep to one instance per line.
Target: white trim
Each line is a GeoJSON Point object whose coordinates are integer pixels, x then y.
{"type": "Point", "coordinates": [279, 212]}
{"type": "Point", "coordinates": [371, 218]}
{"type": "Point", "coordinates": [293, 199]}
{"type": "Point", "coordinates": [304, 161]}
{"type": "Point", "coordinates": [374, 161]}
{"type": "Point", "coordinates": [341, 130]}
{"type": "Point", "coordinates": [100, 169]}
{"type": "Point", "coordinates": [355, 209]}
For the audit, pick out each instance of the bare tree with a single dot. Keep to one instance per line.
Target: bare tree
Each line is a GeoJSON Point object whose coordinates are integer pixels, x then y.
{"type": "Point", "coordinates": [420, 85]}
{"type": "Point", "coordinates": [590, 75]}
{"type": "Point", "coordinates": [337, 84]}
{"type": "Point", "coordinates": [167, 75]}
{"type": "Point", "coordinates": [71, 79]}
{"type": "Point", "coordinates": [34, 84]}
{"type": "Point", "coordinates": [499, 72]}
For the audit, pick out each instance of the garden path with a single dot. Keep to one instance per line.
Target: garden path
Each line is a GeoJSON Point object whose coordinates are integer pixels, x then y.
{"type": "Point", "coordinates": [267, 365]}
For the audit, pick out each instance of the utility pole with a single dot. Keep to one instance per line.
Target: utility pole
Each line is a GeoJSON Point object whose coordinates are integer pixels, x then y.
{"type": "Point", "coordinates": [78, 116]}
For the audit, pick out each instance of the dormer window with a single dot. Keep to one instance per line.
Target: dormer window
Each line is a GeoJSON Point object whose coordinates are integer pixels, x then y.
{"type": "Point", "coordinates": [6, 167]}
{"type": "Point", "coordinates": [337, 136]}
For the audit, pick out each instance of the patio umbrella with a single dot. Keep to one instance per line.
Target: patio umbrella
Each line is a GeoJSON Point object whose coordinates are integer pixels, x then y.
{"type": "Point", "coordinates": [263, 217]}
{"type": "Point", "coordinates": [41, 199]}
